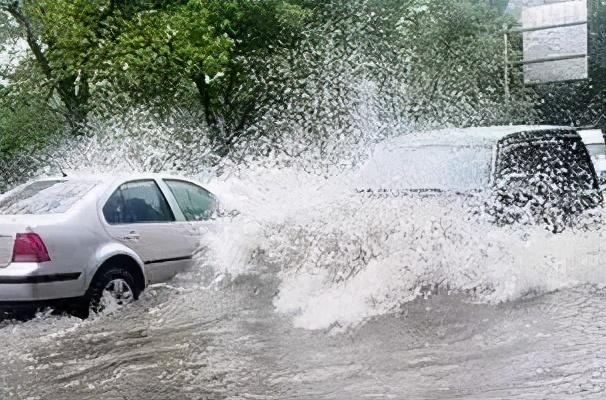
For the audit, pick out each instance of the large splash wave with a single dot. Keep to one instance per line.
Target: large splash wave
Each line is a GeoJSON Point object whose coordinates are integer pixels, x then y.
{"type": "Point", "coordinates": [343, 257]}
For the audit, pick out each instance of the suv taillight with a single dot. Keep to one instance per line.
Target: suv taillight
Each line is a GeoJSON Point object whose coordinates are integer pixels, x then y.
{"type": "Point", "coordinates": [29, 247]}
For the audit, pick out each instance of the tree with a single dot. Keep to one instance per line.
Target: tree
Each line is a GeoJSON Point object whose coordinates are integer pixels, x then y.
{"type": "Point", "coordinates": [244, 65]}
{"type": "Point", "coordinates": [219, 48]}
{"type": "Point", "coordinates": [61, 73]}
{"type": "Point", "coordinates": [157, 52]}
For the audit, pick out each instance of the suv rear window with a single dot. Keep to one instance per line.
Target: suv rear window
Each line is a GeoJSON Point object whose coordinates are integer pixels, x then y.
{"type": "Point", "coordinates": [546, 179]}
{"type": "Point", "coordinates": [45, 197]}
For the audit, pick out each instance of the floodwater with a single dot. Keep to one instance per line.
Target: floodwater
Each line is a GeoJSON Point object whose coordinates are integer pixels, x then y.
{"type": "Point", "coordinates": [312, 292]}
{"type": "Point", "coordinates": [231, 344]}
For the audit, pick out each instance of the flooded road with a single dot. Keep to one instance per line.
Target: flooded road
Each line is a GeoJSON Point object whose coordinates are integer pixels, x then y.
{"type": "Point", "coordinates": [231, 344]}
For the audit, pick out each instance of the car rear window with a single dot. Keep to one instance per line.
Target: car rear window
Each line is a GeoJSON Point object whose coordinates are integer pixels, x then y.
{"type": "Point", "coordinates": [549, 179]}
{"type": "Point", "coordinates": [45, 197]}
{"type": "Point", "coordinates": [562, 162]}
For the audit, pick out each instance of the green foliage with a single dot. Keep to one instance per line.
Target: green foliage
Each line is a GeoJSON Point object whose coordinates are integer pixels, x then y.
{"type": "Point", "coordinates": [152, 50]}
{"type": "Point", "coordinates": [28, 125]}
{"type": "Point", "coordinates": [370, 69]}
{"type": "Point", "coordinates": [209, 47]}
{"type": "Point", "coordinates": [28, 118]}
{"type": "Point", "coordinates": [159, 50]}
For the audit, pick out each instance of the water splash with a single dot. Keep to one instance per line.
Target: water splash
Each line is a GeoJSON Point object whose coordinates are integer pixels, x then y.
{"type": "Point", "coordinates": [343, 256]}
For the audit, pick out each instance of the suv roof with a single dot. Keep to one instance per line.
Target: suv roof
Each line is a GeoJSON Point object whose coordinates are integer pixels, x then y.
{"type": "Point", "coordinates": [486, 136]}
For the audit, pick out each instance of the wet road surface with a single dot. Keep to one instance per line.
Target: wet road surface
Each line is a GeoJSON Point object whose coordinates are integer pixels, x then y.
{"type": "Point", "coordinates": [229, 343]}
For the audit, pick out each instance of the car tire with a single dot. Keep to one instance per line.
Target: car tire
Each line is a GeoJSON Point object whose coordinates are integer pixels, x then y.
{"type": "Point", "coordinates": [107, 282]}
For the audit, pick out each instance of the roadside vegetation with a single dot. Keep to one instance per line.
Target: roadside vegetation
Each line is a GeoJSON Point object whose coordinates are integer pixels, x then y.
{"type": "Point", "coordinates": [278, 75]}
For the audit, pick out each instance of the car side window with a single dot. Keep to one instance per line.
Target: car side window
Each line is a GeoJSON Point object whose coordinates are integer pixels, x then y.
{"type": "Point", "coordinates": [195, 202]}
{"type": "Point", "coordinates": [137, 202]}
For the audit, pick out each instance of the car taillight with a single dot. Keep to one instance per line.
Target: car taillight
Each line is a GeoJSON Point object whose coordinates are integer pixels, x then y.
{"type": "Point", "coordinates": [29, 247]}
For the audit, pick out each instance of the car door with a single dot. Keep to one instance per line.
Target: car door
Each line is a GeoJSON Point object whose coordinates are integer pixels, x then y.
{"type": "Point", "coordinates": [139, 215]}
{"type": "Point", "coordinates": [197, 204]}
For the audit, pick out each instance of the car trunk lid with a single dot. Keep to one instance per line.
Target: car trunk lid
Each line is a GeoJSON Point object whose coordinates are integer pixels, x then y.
{"type": "Point", "coordinates": [6, 249]}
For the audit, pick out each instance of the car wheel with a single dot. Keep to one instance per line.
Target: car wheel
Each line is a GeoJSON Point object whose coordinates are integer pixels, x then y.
{"type": "Point", "coordinates": [111, 286]}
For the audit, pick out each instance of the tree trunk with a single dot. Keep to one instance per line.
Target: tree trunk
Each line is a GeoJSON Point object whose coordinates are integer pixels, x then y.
{"type": "Point", "coordinates": [74, 93]}
{"type": "Point", "coordinates": [205, 100]}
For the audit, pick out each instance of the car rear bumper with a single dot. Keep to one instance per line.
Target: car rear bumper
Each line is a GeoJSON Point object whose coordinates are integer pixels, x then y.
{"type": "Point", "coordinates": [30, 282]}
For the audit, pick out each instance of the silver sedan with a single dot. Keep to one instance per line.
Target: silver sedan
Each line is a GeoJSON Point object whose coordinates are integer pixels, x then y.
{"type": "Point", "coordinates": [87, 239]}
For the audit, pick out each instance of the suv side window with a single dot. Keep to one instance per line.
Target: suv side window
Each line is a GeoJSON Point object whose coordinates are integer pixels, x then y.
{"type": "Point", "coordinates": [137, 202]}
{"type": "Point", "coordinates": [195, 202]}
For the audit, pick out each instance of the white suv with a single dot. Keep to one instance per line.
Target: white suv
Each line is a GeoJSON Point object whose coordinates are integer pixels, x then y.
{"type": "Point", "coordinates": [84, 238]}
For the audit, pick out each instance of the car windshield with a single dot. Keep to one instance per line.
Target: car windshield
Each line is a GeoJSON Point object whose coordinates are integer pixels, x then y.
{"type": "Point", "coordinates": [45, 197]}
{"type": "Point", "coordinates": [440, 167]}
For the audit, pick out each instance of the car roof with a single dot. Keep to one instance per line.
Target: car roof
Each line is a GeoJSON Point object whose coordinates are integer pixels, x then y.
{"type": "Point", "coordinates": [107, 179]}
{"type": "Point", "coordinates": [476, 136]}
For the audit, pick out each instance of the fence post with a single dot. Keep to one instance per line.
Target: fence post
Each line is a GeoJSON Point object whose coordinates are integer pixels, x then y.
{"type": "Point", "coordinates": [506, 68]}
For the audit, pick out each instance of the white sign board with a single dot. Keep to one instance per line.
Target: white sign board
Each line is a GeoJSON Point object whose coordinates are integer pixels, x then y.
{"type": "Point", "coordinates": [546, 44]}
{"type": "Point", "coordinates": [594, 141]}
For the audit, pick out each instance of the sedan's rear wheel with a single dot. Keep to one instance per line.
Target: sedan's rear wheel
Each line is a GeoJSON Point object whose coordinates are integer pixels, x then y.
{"type": "Point", "coordinates": [110, 287]}
{"type": "Point", "coordinates": [120, 291]}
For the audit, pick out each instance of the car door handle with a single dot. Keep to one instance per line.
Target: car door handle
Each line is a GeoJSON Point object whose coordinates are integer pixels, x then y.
{"type": "Point", "coordinates": [132, 236]}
